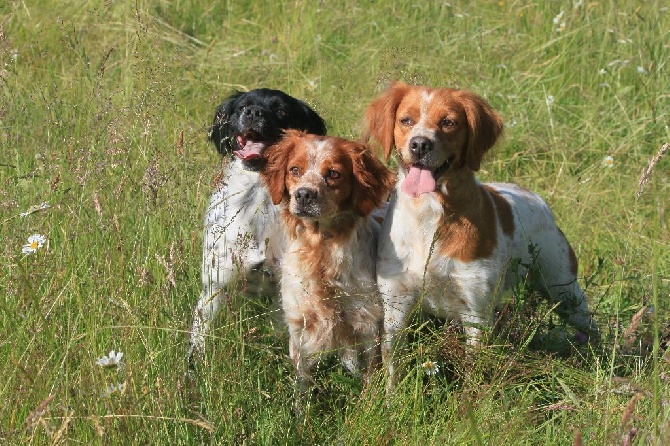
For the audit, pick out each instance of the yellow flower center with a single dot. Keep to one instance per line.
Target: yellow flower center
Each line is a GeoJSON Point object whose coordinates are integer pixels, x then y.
{"type": "Point", "coordinates": [34, 244]}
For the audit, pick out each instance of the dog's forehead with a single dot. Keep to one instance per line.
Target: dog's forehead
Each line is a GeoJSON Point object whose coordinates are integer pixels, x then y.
{"type": "Point", "coordinates": [322, 152]}
{"type": "Point", "coordinates": [306, 150]}
{"type": "Point", "coordinates": [430, 102]}
{"type": "Point", "coordinates": [268, 98]}
{"type": "Point", "coordinates": [317, 153]}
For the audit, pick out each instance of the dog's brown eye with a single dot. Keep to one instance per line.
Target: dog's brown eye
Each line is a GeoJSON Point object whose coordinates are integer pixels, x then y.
{"type": "Point", "coordinates": [295, 171]}
{"type": "Point", "coordinates": [446, 123]}
{"type": "Point", "coordinates": [282, 114]}
{"type": "Point", "coordinates": [407, 121]}
{"type": "Point", "coordinates": [333, 174]}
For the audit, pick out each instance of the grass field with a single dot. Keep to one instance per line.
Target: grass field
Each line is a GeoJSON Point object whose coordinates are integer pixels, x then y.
{"type": "Point", "coordinates": [104, 108]}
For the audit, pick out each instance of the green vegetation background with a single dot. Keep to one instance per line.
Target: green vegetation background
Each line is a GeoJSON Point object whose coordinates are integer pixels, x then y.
{"type": "Point", "coordinates": [104, 108]}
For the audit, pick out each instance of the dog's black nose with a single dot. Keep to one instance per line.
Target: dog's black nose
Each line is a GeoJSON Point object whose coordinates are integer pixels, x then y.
{"type": "Point", "coordinates": [252, 110]}
{"type": "Point", "coordinates": [305, 196]}
{"type": "Point", "coordinates": [420, 145]}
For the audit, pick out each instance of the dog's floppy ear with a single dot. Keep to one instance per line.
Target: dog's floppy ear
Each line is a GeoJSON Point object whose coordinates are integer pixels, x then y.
{"type": "Point", "coordinates": [372, 180]}
{"type": "Point", "coordinates": [220, 132]}
{"type": "Point", "coordinates": [484, 127]}
{"type": "Point", "coordinates": [380, 116]}
{"type": "Point", "coordinates": [310, 121]}
{"type": "Point", "coordinates": [274, 173]}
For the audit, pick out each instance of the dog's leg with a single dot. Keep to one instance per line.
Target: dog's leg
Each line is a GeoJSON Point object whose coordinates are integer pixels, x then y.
{"type": "Point", "coordinates": [573, 307]}
{"type": "Point", "coordinates": [350, 360]}
{"type": "Point", "coordinates": [397, 309]}
{"type": "Point", "coordinates": [225, 259]}
{"type": "Point", "coordinates": [303, 360]}
{"type": "Point", "coordinates": [559, 279]}
{"type": "Point", "coordinates": [369, 351]}
{"type": "Point", "coordinates": [217, 272]}
{"type": "Point", "coordinates": [472, 325]}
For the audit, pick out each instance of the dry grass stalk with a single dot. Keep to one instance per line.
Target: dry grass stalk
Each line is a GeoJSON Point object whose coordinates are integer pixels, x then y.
{"type": "Point", "coordinates": [35, 416]}
{"type": "Point", "coordinates": [630, 335]}
{"type": "Point", "coordinates": [646, 174]}
{"type": "Point", "coordinates": [180, 143]}
{"type": "Point", "coordinates": [96, 203]}
{"type": "Point", "coordinates": [630, 408]}
{"type": "Point", "coordinates": [59, 436]}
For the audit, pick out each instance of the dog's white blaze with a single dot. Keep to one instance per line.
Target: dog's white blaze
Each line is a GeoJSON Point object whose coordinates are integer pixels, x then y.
{"type": "Point", "coordinates": [422, 127]}
{"type": "Point", "coordinates": [312, 174]}
{"type": "Point", "coordinates": [425, 102]}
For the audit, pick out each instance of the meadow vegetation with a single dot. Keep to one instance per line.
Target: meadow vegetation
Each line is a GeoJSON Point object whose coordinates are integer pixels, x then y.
{"type": "Point", "coordinates": [104, 109]}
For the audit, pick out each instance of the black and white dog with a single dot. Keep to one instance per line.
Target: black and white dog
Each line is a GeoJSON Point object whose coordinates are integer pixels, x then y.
{"type": "Point", "coordinates": [243, 239]}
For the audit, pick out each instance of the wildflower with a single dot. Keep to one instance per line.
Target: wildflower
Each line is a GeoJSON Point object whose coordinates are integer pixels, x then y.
{"type": "Point", "coordinates": [35, 242]}
{"type": "Point", "coordinates": [113, 388]}
{"type": "Point", "coordinates": [641, 70]}
{"type": "Point", "coordinates": [559, 23]}
{"type": "Point", "coordinates": [608, 162]}
{"type": "Point", "coordinates": [602, 71]}
{"type": "Point", "coordinates": [550, 100]}
{"type": "Point", "coordinates": [313, 85]}
{"type": "Point", "coordinates": [430, 368]}
{"type": "Point", "coordinates": [112, 360]}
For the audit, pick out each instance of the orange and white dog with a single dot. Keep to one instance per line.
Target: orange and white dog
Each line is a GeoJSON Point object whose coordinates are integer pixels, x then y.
{"type": "Point", "coordinates": [328, 188]}
{"type": "Point", "coordinates": [448, 243]}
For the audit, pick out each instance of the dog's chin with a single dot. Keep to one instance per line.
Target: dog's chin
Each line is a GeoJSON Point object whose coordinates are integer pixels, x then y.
{"type": "Point", "coordinates": [306, 214]}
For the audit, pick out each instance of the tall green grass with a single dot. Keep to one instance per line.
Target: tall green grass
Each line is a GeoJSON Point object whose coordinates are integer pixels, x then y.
{"type": "Point", "coordinates": [95, 100]}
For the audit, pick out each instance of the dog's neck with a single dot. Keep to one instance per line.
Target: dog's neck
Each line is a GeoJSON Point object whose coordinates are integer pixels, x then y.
{"type": "Point", "coordinates": [255, 165]}
{"type": "Point", "coordinates": [458, 189]}
{"type": "Point", "coordinates": [321, 232]}
{"type": "Point", "coordinates": [466, 222]}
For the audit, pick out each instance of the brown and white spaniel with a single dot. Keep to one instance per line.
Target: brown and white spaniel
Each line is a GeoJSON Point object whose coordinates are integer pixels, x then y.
{"type": "Point", "coordinates": [328, 188]}
{"type": "Point", "coordinates": [450, 245]}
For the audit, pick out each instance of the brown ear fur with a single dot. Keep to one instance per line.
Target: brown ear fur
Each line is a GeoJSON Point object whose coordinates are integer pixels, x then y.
{"type": "Point", "coordinates": [372, 180]}
{"type": "Point", "coordinates": [380, 116]}
{"type": "Point", "coordinates": [274, 173]}
{"type": "Point", "coordinates": [484, 127]}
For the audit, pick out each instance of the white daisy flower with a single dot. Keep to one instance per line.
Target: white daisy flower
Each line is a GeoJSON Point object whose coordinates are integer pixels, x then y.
{"type": "Point", "coordinates": [35, 242]}
{"type": "Point", "coordinates": [558, 17]}
{"type": "Point", "coordinates": [430, 368]}
{"type": "Point", "coordinates": [111, 360]}
{"type": "Point", "coordinates": [550, 100]}
{"type": "Point", "coordinates": [608, 162]}
{"type": "Point", "coordinates": [641, 70]}
{"type": "Point", "coordinates": [113, 388]}
{"type": "Point", "coordinates": [559, 22]}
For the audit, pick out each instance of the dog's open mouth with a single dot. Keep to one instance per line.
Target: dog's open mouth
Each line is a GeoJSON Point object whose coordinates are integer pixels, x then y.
{"type": "Point", "coordinates": [250, 146]}
{"type": "Point", "coordinates": [421, 179]}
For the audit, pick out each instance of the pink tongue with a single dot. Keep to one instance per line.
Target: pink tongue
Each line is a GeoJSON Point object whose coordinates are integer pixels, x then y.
{"type": "Point", "coordinates": [418, 181]}
{"type": "Point", "coordinates": [251, 150]}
